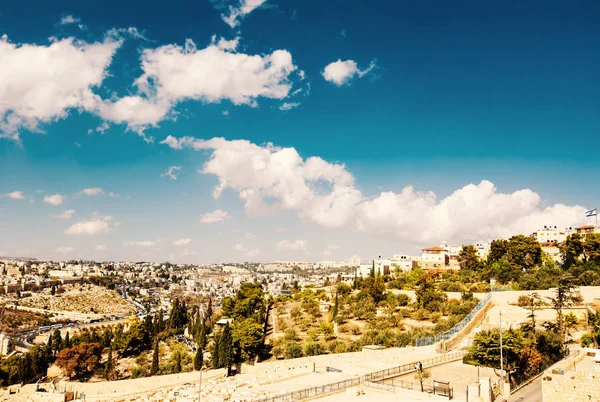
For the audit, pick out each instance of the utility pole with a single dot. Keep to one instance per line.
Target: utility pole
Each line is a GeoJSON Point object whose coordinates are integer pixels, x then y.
{"type": "Point", "coordinates": [501, 357]}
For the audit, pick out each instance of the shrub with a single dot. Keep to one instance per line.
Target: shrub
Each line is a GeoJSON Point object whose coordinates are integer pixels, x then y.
{"type": "Point", "coordinates": [314, 349]}
{"type": "Point", "coordinates": [421, 314]}
{"type": "Point", "coordinates": [292, 350]}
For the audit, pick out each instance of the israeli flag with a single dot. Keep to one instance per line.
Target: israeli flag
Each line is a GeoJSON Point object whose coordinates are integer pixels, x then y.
{"type": "Point", "coordinates": [591, 212]}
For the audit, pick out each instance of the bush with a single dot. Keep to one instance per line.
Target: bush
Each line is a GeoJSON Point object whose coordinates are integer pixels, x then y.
{"type": "Point", "coordinates": [292, 350]}
{"type": "Point", "coordinates": [524, 301]}
{"type": "Point", "coordinates": [314, 349]}
{"type": "Point", "coordinates": [435, 317]}
{"type": "Point", "coordinates": [421, 314]}
{"type": "Point", "coordinates": [403, 300]}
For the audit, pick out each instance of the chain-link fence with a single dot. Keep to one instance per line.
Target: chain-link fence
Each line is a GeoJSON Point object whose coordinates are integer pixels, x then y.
{"type": "Point", "coordinates": [430, 340]}
{"type": "Point", "coordinates": [314, 391]}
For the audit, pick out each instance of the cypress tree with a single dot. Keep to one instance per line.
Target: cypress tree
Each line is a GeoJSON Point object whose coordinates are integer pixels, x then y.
{"type": "Point", "coordinates": [109, 364]}
{"type": "Point", "coordinates": [154, 367]}
{"type": "Point", "coordinates": [66, 342]}
{"type": "Point", "coordinates": [216, 359]}
{"type": "Point", "coordinates": [202, 336]}
{"type": "Point", "coordinates": [335, 308]}
{"type": "Point", "coordinates": [209, 311]}
{"type": "Point", "coordinates": [198, 359]}
{"type": "Point", "coordinates": [226, 349]}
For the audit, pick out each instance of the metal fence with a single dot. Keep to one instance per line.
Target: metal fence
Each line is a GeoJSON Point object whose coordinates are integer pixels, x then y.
{"type": "Point", "coordinates": [314, 391]}
{"type": "Point", "coordinates": [407, 368]}
{"type": "Point", "coordinates": [430, 340]}
{"type": "Point", "coordinates": [522, 382]}
{"type": "Point", "coordinates": [374, 377]}
{"type": "Point", "coordinates": [433, 387]}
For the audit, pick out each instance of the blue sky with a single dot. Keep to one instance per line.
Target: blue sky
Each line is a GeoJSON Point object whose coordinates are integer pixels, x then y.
{"type": "Point", "coordinates": [386, 94]}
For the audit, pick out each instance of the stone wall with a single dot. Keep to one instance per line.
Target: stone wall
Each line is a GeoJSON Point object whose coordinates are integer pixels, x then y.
{"type": "Point", "coordinates": [573, 385]}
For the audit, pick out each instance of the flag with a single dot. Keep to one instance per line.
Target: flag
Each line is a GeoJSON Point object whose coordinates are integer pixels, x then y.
{"type": "Point", "coordinates": [591, 212]}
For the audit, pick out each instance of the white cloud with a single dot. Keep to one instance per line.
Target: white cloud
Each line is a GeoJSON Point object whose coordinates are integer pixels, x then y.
{"type": "Point", "coordinates": [244, 8]}
{"type": "Point", "coordinates": [225, 112]}
{"type": "Point", "coordinates": [251, 253]}
{"type": "Point", "coordinates": [340, 72]}
{"type": "Point", "coordinates": [289, 105]}
{"type": "Point", "coordinates": [68, 214]}
{"type": "Point", "coordinates": [100, 247]}
{"type": "Point", "coordinates": [172, 172]}
{"type": "Point", "coordinates": [113, 195]}
{"type": "Point", "coordinates": [64, 250]}
{"type": "Point", "coordinates": [92, 227]}
{"type": "Point", "coordinates": [215, 216]}
{"type": "Point", "coordinates": [91, 191]}
{"type": "Point", "coordinates": [42, 83]}
{"type": "Point", "coordinates": [56, 199]}
{"type": "Point", "coordinates": [292, 245]}
{"type": "Point", "coordinates": [15, 195]}
{"type": "Point", "coordinates": [182, 242]}
{"type": "Point", "coordinates": [269, 179]}
{"type": "Point", "coordinates": [225, 44]}
{"type": "Point", "coordinates": [144, 243]}
{"type": "Point", "coordinates": [172, 74]}
{"type": "Point", "coordinates": [69, 19]}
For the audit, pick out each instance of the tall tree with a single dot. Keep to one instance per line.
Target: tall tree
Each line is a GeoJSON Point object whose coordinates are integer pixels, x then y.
{"type": "Point", "coordinates": [572, 249]}
{"type": "Point", "coordinates": [592, 247]}
{"type": "Point", "coordinates": [334, 313]}
{"type": "Point", "coordinates": [198, 359]}
{"type": "Point", "coordinates": [108, 367]}
{"type": "Point", "coordinates": [155, 353]}
{"type": "Point", "coordinates": [498, 250]}
{"type": "Point", "coordinates": [226, 349]}
{"type": "Point", "coordinates": [566, 296]}
{"type": "Point", "coordinates": [468, 258]}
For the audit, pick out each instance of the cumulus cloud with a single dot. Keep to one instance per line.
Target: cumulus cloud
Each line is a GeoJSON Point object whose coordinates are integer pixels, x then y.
{"type": "Point", "coordinates": [100, 247]}
{"type": "Point", "coordinates": [172, 74]}
{"type": "Point", "coordinates": [292, 245]}
{"type": "Point", "coordinates": [289, 105]}
{"type": "Point", "coordinates": [64, 250]}
{"type": "Point", "coordinates": [43, 83]}
{"type": "Point", "coordinates": [172, 172]}
{"type": "Point", "coordinates": [215, 216]}
{"type": "Point", "coordinates": [68, 214]}
{"type": "Point", "coordinates": [56, 199]}
{"type": "Point", "coordinates": [95, 226]}
{"type": "Point", "coordinates": [238, 12]}
{"type": "Point", "coordinates": [341, 72]}
{"type": "Point", "coordinates": [143, 243]}
{"type": "Point", "coordinates": [269, 179]}
{"type": "Point", "coordinates": [182, 242]}
{"type": "Point", "coordinates": [15, 195]}
{"type": "Point", "coordinates": [91, 191]}
{"type": "Point", "coordinates": [248, 252]}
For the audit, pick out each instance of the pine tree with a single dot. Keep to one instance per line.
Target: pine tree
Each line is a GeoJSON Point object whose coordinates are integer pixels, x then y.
{"type": "Point", "coordinates": [154, 367]}
{"type": "Point", "coordinates": [198, 359]}
{"type": "Point", "coordinates": [109, 364]}
{"type": "Point", "coordinates": [372, 274]}
{"type": "Point", "coordinates": [56, 341]}
{"type": "Point", "coordinates": [209, 311]}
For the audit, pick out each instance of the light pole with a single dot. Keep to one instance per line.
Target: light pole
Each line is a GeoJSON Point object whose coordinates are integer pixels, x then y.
{"type": "Point", "coordinates": [200, 387]}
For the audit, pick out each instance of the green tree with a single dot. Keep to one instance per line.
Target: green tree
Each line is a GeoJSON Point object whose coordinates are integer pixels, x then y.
{"type": "Point", "coordinates": [498, 250]}
{"type": "Point", "coordinates": [524, 251]}
{"type": "Point", "coordinates": [155, 357]}
{"type": "Point", "coordinates": [198, 359]}
{"type": "Point", "coordinates": [108, 367]}
{"type": "Point", "coordinates": [571, 249]}
{"type": "Point", "coordinates": [566, 296]}
{"type": "Point", "coordinates": [468, 258]}
{"type": "Point", "coordinates": [504, 271]}
{"type": "Point", "coordinates": [56, 341]}
{"type": "Point", "coordinates": [592, 247]}
{"type": "Point", "coordinates": [334, 313]}
{"type": "Point", "coordinates": [292, 350]}
{"type": "Point", "coordinates": [247, 338]}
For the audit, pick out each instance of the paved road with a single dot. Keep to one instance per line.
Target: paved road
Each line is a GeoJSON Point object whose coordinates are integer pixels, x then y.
{"type": "Point", "coordinates": [531, 393]}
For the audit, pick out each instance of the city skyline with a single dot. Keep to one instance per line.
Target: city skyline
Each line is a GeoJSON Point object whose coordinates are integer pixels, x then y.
{"type": "Point", "coordinates": [264, 130]}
